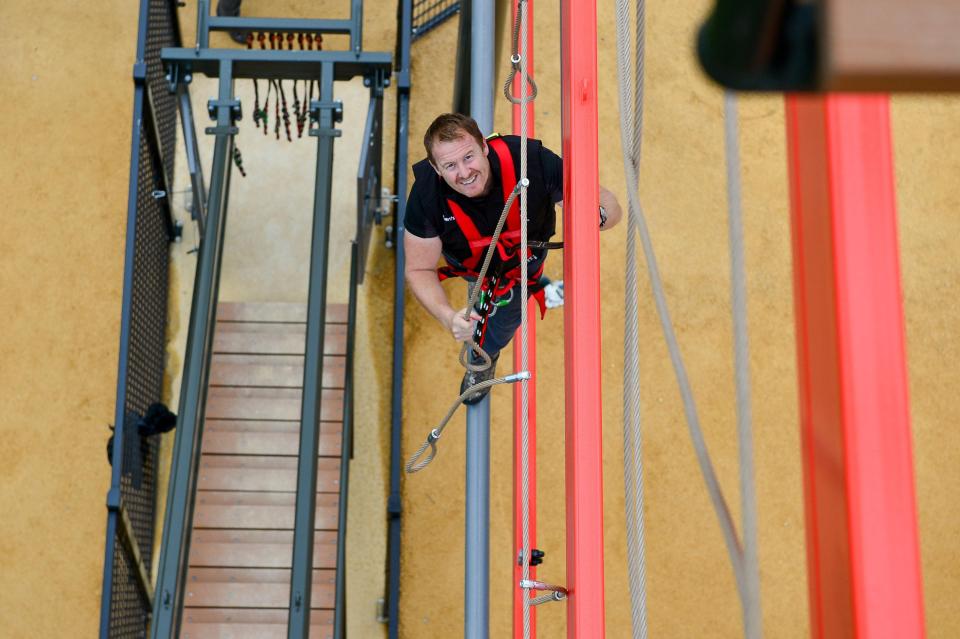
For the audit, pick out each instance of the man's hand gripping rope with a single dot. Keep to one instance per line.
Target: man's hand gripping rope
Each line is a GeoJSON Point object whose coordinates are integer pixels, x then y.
{"type": "Point", "coordinates": [415, 464]}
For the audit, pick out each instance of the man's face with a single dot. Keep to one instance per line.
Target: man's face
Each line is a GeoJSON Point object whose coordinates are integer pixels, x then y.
{"type": "Point", "coordinates": [463, 164]}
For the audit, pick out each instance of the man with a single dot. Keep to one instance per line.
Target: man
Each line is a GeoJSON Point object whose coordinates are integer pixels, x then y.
{"type": "Point", "coordinates": [453, 208]}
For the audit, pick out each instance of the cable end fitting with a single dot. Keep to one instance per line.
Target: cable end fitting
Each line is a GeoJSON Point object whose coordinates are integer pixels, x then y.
{"type": "Point", "coordinates": [516, 377]}
{"type": "Point", "coordinates": [524, 182]}
{"type": "Point", "coordinates": [433, 436]}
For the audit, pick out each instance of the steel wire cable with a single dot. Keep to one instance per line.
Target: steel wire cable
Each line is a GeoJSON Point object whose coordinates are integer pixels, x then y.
{"type": "Point", "coordinates": [744, 562]}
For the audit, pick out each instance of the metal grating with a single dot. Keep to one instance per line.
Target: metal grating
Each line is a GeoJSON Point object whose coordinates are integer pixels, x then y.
{"type": "Point", "coordinates": [142, 353]}
{"type": "Point", "coordinates": [428, 14]}
{"type": "Point", "coordinates": [161, 33]}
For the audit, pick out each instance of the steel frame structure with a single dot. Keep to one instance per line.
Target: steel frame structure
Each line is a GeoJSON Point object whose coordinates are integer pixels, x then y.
{"type": "Point", "coordinates": [582, 345]}
{"type": "Point", "coordinates": [228, 65]}
{"type": "Point", "coordinates": [862, 546]}
{"type": "Point", "coordinates": [394, 500]}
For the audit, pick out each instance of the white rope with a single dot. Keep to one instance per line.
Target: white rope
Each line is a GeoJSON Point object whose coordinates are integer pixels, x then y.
{"type": "Point", "coordinates": [631, 137]}
{"type": "Point", "coordinates": [750, 600]}
{"type": "Point", "coordinates": [744, 562]}
{"type": "Point", "coordinates": [524, 385]}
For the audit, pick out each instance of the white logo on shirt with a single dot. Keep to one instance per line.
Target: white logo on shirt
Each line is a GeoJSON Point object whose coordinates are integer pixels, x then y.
{"type": "Point", "coordinates": [449, 219]}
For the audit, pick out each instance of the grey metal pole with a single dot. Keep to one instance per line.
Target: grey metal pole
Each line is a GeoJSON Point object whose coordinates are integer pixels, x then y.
{"type": "Point", "coordinates": [477, 555]}
{"type": "Point", "coordinates": [477, 559]}
{"type": "Point", "coordinates": [301, 577]}
{"type": "Point", "coordinates": [482, 29]}
{"type": "Point", "coordinates": [171, 581]}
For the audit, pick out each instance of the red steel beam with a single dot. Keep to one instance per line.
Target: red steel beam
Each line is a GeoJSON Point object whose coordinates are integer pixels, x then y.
{"type": "Point", "coordinates": [581, 261]}
{"type": "Point", "coordinates": [532, 309]}
{"type": "Point", "coordinates": [862, 547]}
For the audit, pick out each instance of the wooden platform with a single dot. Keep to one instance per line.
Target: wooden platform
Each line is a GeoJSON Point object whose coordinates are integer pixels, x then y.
{"type": "Point", "coordinates": [242, 538]}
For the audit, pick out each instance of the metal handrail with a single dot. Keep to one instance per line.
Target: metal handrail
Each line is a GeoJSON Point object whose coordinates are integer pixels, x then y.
{"type": "Point", "coordinates": [118, 528]}
{"type": "Point", "coordinates": [346, 453]}
{"type": "Point", "coordinates": [394, 502]}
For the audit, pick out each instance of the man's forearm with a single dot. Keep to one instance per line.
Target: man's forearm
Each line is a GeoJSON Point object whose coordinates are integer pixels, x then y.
{"type": "Point", "coordinates": [428, 291]}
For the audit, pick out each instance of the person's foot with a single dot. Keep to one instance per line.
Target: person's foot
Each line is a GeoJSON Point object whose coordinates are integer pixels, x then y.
{"type": "Point", "coordinates": [553, 294]}
{"type": "Point", "coordinates": [472, 378]}
{"type": "Point", "coordinates": [236, 36]}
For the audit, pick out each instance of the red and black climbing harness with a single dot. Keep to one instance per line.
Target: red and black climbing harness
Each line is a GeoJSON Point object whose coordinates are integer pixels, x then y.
{"type": "Point", "coordinates": [497, 288]}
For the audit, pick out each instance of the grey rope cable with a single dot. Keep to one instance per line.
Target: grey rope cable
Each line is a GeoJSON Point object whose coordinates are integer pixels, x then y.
{"type": "Point", "coordinates": [752, 621]}
{"type": "Point", "coordinates": [518, 60]}
{"type": "Point", "coordinates": [631, 138]}
{"type": "Point", "coordinates": [520, 50]}
{"type": "Point", "coordinates": [415, 464]}
{"type": "Point", "coordinates": [690, 410]}
{"type": "Point", "coordinates": [475, 290]}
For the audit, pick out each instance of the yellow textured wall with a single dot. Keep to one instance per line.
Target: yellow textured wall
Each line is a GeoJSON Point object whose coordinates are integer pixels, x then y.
{"type": "Point", "coordinates": [65, 101]}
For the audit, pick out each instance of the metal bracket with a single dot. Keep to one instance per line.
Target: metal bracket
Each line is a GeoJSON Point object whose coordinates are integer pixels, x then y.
{"type": "Point", "coordinates": [336, 109]}
{"type": "Point", "coordinates": [139, 73]}
{"type": "Point", "coordinates": [394, 506]}
{"type": "Point", "coordinates": [221, 130]}
{"type": "Point", "coordinates": [236, 112]}
{"type": "Point", "coordinates": [317, 105]}
{"type": "Point", "coordinates": [378, 80]}
{"type": "Point", "coordinates": [333, 133]}
{"type": "Point", "coordinates": [173, 77]}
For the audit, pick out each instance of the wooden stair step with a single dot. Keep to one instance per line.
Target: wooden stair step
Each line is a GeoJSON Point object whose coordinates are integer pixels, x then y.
{"type": "Point", "coordinates": [249, 623]}
{"type": "Point", "coordinates": [274, 312]}
{"type": "Point", "coordinates": [252, 588]}
{"type": "Point", "coordinates": [275, 339]}
{"type": "Point", "coordinates": [270, 511]}
{"type": "Point", "coordinates": [232, 437]}
{"type": "Point", "coordinates": [257, 548]}
{"type": "Point", "coordinates": [231, 402]}
{"type": "Point", "coordinates": [263, 473]}
{"type": "Point", "coordinates": [271, 370]}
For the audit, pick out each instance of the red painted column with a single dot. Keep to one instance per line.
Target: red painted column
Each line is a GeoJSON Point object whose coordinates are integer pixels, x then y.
{"type": "Point", "coordinates": [532, 316]}
{"type": "Point", "coordinates": [581, 260]}
{"type": "Point", "coordinates": [862, 547]}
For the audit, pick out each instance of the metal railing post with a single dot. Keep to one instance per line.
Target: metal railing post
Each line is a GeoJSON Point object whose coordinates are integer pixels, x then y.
{"type": "Point", "coordinates": [394, 502]}
{"type": "Point", "coordinates": [168, 603]}
{"type": "Point", "coordinates": [477, 520]}
{"type": "Point", "coordinates": [346, 448]}
{"type": "Point", "coordinates": [301, 580]}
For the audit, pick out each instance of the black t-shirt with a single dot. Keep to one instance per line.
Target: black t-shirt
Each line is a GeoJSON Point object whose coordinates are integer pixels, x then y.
{"type": "Point", "coordinates": [428, 214]}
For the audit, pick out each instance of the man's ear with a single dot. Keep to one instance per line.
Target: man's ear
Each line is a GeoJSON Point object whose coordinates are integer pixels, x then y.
{"type": "Point", "coordinates": [486, 148]}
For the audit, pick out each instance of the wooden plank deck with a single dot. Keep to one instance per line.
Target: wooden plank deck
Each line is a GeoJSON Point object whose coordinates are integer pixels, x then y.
{"type": "Point", "coordinates": [242, 538]}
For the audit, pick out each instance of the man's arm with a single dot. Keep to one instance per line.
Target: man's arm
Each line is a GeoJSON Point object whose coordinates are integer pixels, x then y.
{"type": "Point", "coordinates": [421, 262]}
{"type": "Point", "coordinates": [610, 206]}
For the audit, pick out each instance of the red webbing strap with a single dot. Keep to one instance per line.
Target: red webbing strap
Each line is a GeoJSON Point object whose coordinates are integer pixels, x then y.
{"type": "Point", "coordinates": [508, 180]}
{"type": "Point", "coordinates": [476, 241]}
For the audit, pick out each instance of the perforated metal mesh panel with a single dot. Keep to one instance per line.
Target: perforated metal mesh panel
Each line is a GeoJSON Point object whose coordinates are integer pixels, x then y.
{"type": "Point", "coordinates": [160, 33]}
{"type": "Point", "coordinates": [145, 309]}
{"type": "Point", "coordinates": [428, 14]}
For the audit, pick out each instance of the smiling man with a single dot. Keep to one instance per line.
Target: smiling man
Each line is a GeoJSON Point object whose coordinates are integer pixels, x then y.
{"type": "Point", "coordinates": [453, 208]}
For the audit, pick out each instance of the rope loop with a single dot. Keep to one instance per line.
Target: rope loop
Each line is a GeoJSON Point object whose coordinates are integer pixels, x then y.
{"type": "Point", "coordinates": [412, 465]}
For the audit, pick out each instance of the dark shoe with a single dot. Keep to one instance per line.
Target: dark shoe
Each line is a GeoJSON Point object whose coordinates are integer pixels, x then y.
{"type": "Point", "coordinates": [471, 378]}
{"type": "Point", "coordinates": [232, 10]}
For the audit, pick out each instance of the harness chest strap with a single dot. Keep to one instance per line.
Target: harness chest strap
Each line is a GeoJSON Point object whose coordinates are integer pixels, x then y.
{"type": "Point", "coordinates": [508, 240]}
